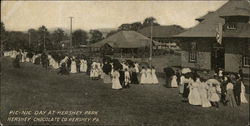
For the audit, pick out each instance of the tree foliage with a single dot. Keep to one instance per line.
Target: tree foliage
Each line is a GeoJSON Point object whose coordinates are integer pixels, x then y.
{"type": "Point", "coordinates": [79, 37]}
{"type": "Point", "coordinates": [96, 36]}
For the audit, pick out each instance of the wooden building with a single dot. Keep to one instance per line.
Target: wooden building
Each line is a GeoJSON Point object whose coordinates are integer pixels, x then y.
{"type": "Point", "coordinates": [163, 34]}
{"type": "Point", "coordinates": [230, 25]}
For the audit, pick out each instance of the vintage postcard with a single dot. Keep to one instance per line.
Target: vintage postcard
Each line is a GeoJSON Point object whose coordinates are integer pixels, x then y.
{"type": "Point", "coordinates": [125, 63]}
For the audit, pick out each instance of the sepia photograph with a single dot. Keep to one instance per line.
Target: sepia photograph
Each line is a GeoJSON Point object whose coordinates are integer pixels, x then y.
{"type": "Point", "coordinates": [125, 63]}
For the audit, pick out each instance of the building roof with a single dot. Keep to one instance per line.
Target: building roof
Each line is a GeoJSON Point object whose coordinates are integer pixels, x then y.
{"type": "Point", "coordinates": [207, 27]}
{"type": "Point", "coordinates": [125, 39]}
{"type": "Point", "coordinates": [162, 31]}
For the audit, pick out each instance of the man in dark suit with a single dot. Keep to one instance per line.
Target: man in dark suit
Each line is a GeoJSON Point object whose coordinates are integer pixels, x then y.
{"type": "Point", "coordinates": [237, 89]}
{"type": "Point", "coordinates": [169, 72]}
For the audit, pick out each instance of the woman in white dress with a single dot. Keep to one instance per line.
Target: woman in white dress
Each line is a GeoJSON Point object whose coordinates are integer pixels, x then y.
{"type": "Point", "coordinates": [143, 76]}
{"type": "Point", "coordinates": [23, 57]}
{"type": "Point", "coordinates": [154, 77]}
{"type": "Point", "coordinates": [174, 82]}
{"type": "Point", "coordinates": [85, 66]}
{"type": "Point", "coordinates": [73, 66]}
{"type": "Point", "coordinates": [136, 67]}
{"type": "Point", "coordinates": [148, 76]}
{"type": "Point", "coordinates": [82, 65]}
{"type": "Point", "coordinates": [242, 94]}
{"type": "Point", "coordinates": [115, 80]}
{"type": "Point", "coordinates": [203, 90]}
{"type": "Point", "coordinates": [92, 70]}
{"type": "Point", "coordinates": [194, 95]}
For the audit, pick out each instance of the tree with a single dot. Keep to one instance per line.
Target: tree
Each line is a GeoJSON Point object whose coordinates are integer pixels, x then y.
{"type": "Point", "coordinates": [136, 26]}
{"type": "Point", "coordinates": [57, 36]}
{"type": "Point", "coordinates": [3, 36]}
{"type": "Point", "coordinates": [17, 40]}
{"type": "Point", "coordinates": [96, 36]}
{"type": "Point", "coordinates": [111, 33]}
{"type": "Point", "coordinates": [34, 39]}
{"type": "Point", "coordinates": [44, 38]}
{"type": "Point", "coordinates": [150, 20]}
{"type": "Point", "coordinates": [79, 37]}
{"type": "Point", "coordinates": [124, 27]}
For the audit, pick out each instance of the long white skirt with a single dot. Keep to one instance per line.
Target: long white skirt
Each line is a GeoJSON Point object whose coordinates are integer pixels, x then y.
{"type": "Point", "coordinates": [174, 83]}
{"type": "Point", "coordinates": [116, 83]}
{"type": "Point", "coordinates": [154, 79]}
{"type": "Point", "coordinates": [73, 68]}
{"type": "Point", "coordinates": [143, 79]}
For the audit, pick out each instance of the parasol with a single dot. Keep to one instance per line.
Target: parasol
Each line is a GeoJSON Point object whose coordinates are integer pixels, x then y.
{"type": "Point", "coordinates": [213, 81]}
{"type": "Point", "coordinates": [186, 70]}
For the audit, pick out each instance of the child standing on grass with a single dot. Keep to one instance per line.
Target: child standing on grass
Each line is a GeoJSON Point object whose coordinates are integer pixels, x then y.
{"type": "Point", "coordinates": [214, 97]}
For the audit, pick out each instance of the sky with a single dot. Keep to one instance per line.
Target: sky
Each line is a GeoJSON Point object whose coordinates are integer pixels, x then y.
{"type": "Point", "coordinates": [23, 15]}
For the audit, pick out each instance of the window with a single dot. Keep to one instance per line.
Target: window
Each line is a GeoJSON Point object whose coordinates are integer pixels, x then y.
{"type": "Point", "coordinates": [192, 56]}
{"type": "Point", "coordinates": [246, 61]}
{"type": "Point", "coordinates": [193, 52]}
{"type": "Point", "coordinates": [231, 26]}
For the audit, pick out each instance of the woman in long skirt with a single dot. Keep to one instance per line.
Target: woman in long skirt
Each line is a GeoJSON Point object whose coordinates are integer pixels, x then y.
{"type": "Point", "coordinates": [242, 94]}
{"type": "Point", "coordinates": [134, 79]}
{"type": "Point", "coordinates": [106, 73]}
{"type": "Point", "coordinates": [148, 76]}
{"type": "Point", "coordinates": [186, 89]}
{"type": "Point", "coordinates": [154, 77]}
{"type": "Point", "coordinates": [73, 67]}
{"type": "Point", "coordinates": [203, 88]}
{"type": "Point", "coordinates": [115, 80]}
{"type": "Point", "coordinates": [82, 65]}
{"type": "Point", "coordinates": [194, 95]}
{"type": "Point", "coordinates": [143, 76]}
{"type": "Point", "coordinates": [127, 78]}
{"type": "Point", "coordinates": [230, 94]}
{"type": "Point", "coordinates": [174, 82]}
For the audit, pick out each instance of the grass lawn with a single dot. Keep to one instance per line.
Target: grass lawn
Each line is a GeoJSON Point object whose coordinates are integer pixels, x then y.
{"type": "Point", "coordinates": [33, 88]}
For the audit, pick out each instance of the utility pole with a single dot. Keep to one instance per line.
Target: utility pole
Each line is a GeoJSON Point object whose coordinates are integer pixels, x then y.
{"type": "Point", "coordinates": [29, 40]}
{"type": "Point", "coordinates": [44, 46]}
{"type": "Point", "coordinates": [71, 18]}
{"type": "Point", "coordinates": [151, 43]}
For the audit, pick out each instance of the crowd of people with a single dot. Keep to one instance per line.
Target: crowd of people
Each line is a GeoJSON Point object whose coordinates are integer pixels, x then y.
{"type": "Point", "coordinates": [225, 88]}
{"type": "Point", "coordinates": [120, 73]}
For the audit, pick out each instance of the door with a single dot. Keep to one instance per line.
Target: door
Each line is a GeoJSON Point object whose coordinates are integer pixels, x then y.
{"type": "Point", "coordinates": [218, 56]}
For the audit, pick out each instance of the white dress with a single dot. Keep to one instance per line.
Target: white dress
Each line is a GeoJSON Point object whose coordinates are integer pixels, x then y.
{"type": "Point", "coordinates": [194, 95]}
{"type": "Point", "coordinates": [127, 78]}
{"type": "Point", "coordinates": [92, 71]}
{"type": "Point", "coordinates": [23, 57]}
{"type": "Point", "coordinates": [115, 80]}
{"type": "Point", "coordinates": [148, 76]}
{"type": "Point", "coordinates": [85, 66]}
{"type": "Point", "coordinates": [73, 67]}
{"type": "Point", "coordinates": [174, 82]}
{"type": "Point", "coordinates": [82, 65]}
{"type": "Point", "coordinates": [137, 68]}
{"type": "Point", "coordinates": [154, 77]}
{"type": "Point", "coordinates": [203, 88]}
{"type": "Point", "coordinates": [143, 76]}
{"type": "Point", "coordinates": [242, 94]}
